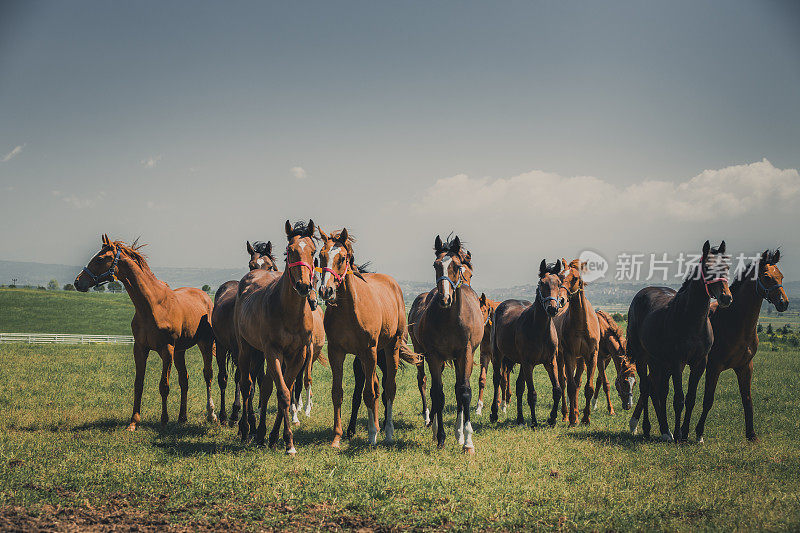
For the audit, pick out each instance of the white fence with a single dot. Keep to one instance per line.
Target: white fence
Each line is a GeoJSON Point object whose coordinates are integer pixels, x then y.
{"type": "Point", "coordinates": [63, 338]}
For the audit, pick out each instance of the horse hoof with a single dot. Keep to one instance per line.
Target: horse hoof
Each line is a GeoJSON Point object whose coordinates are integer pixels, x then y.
{"type": "Point", "coordinates": [440, 445]}
{"type": "Point", "coordinates": [223, 418]}
{"type": "Point", "coordinates": [611, 412]}
{"type": "Point", "coordinates": [700, 441]}
{"type": "Point", "coordinates": [212, 418]}
{"type": "Point", "coordinates": [572, 424]}
{"type": "Point", "coordinates": [753, 439]}
{"type": "Point", "coordinates": [633, 425]}
{"type": "Point", "coordinates": [469, 450]}
{"type": "Point", "coordinates": [666, 437]}
{"type": "Point", "coordinates": [291, 451]}
{"type": "Point", "coordinates": [131, 427]}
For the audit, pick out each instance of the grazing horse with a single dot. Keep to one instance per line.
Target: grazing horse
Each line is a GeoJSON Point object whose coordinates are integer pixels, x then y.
{"type": "Point", "coordinates": [450, 328]}
{"type": "Point", "coordinates": [668, 330]}
{"type": "Point", "coordinates": [735, 336]}
{"type": "Point", "coordinates": [166, 321]}
{"type": "Point", "coordinates": [524, 333]}
{"type": "Point", "coordinates": [487, 309]}
{"type": "Point", "coordinates": [261, 258]}
{"type": "Point", "coordinates": [274, 324]}
{"type": "Point", "coordinates": [578, 342]}
{"type": "Point", "coordinates": [365, 316]}
{"type": "Point", "coordinates": [612, 348]}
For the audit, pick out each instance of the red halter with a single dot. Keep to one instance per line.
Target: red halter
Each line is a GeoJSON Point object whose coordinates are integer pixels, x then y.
{"type": "Point", "coordinates": [707, 283]}
{"type": "Point", "coordinates": [339, 279]}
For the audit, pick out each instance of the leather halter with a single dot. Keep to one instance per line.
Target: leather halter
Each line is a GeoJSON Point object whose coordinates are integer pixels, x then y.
{"type": "Point", "coordinates": [767, 292]}
{"type": "Point", "coordinates": [336, 277]}
{"type": "Point", "coordinates": [544, 299]}
{"type": "Point", "coordinates": [461, 280]}
{"type": "Point", "coordinates": [98, 279]}
{"type": "Point", "coordinates": [300, 264]}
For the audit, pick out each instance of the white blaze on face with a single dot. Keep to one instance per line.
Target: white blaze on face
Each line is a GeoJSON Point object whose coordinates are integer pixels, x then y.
{"type": "Point", "coordinates": [331, 258]}
{"type": "Point", "coordinates": [445, 270]}
{"type": "Point", "coordinates": [302, 245]}
{"type": "Point", "coordinates": [631, 382]}
{"type": "Point", "coordinates": [260, 261]}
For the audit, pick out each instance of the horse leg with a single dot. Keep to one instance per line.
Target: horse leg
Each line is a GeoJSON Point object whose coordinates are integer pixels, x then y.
{"type": "Point", "coordinates": [641, 403]}
{"type": "Point", "coordinates": [695, 374]}
{"type": "Point", "coordinates": [265, 386]}
{"type": "Point", "coordinates": [246, 353]}
{"type": "Point", "coordinates": [336, 358]}
{"type": "Point", "coordinates": [507, 369]}
{"type": "Point", "coordinates": [369, 364]}
{"type": "Point", "coordinates": [712, 376]}
{"type": "Point", "coordinates": [382, 365]}
{"type": "Point", "coordinates": [572, 390]}
{"type": "Point", "coordinates": [358, 372]}
{"type": "Point", "coordinates": [297, 401]}
{"type": "Point", "coordinates": [591, 368]}
{"type": "Point", "coordinates": [183, 382]}
{"type": "Point", "coordinates": [659, 395]}
{"type": "Point", "coordinates": [209, 349]}
{"type": "Point", "coordinates": [463, 364]}
{"type": "Point", "coordinates": [562, 380]}
{"type": "Point", "coordinates": [744, 375]}
{"type": "Point", "coordinates": [284, 402]}
{"type": "Point", "coordinates": [482, 383]}
{"type": "Point", "coordinates": [527, 371]}
{"type": "Point", "coordinates": [392, 363]}
{"type": "Point", "coordinates": [307, 380]}
{"type": "Point", "coordinates": [496, 379]}
{"type": "Point", "coordinates": [437, 400]}
{"type": "Point", "coordinates": [422, 385]}
{"type": "Point", "coordinates": [222, 380]}
{"type": "Point", "coordinates": [520, 394]}
{"type": "Point", "coordinates": [166, 353]}
{"type": "Point", "coordinates": [237, 393]}
{"type": "Point", "coordinates": [677, 399]}
{"type": "Point", "coordinates": [140, 353]}
{"type": "Point", "coordinates": [551, 373]}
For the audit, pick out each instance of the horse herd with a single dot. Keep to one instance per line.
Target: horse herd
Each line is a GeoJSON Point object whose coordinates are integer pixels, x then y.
{"type": "Point", "coordinates": [269, 325]}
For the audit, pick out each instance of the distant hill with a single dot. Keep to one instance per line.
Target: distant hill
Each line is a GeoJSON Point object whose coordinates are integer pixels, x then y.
{"type": "Point", "coordinates": [606, 293]}
{"type": "Point", "coordinates": [29, 273]}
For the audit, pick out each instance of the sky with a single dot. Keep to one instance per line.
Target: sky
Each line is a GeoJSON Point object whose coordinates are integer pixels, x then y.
{"type": "Point", "coordinates": [530, 129]}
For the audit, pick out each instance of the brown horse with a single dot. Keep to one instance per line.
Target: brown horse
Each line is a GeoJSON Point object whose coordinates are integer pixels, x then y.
{"type": "Point", "coordinates": [735, 335]}
{"type": "Point", "coordinates": [365, 316]}
{"type": "Point", "coordinates": [578, 342]}
{"type": "Point", "coordinates": [166, 321]}
{"type": "Point", "coordinates": [261, 258]}
{"type": "Point", "coordinates": [274, 324]}
{"type": "Point", "coordinates": [524, 333]}
{"type": "Point", "coordinates": [450, 328]}
{"type": "Point", "coordinates": [612, 348]}
{"type": "Point", "coordinates": [668, 330]}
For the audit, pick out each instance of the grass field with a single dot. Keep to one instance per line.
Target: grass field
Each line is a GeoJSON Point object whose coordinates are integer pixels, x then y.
{"type": "Point", "coordinates": [65, 459]}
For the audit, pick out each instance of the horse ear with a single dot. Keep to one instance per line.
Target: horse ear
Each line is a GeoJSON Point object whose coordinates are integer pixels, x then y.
{"type": "Point", "coordinates": [563, 264]}
{"type": "Point", "coordinates": [250, 248]}
{"type": "Point", "coordinates": [106, 241]}
{"type": "Point", "coordinates": [455, 246]}
{"type": "Point", "coordinates": [322, 234]}
{"type": "Point", "coordinates": [268, 248]}
{"type": "Point", "coordinates": [437, 244]}
{"type": "Point", "coordinates": [721, 248]}
{"type": "Point", "coordinates": [483, 299]}
{"type": "Point", "coordinates": [468, 258]}
{"type": "Point", "coordinates": [542, 268]}
{"type": "Point", "coordinates": [310, 228]}
{"type": "Point", "coordinates": [343, 236]}
{"type": "Point", "coordinates": [776, 257]}
{"type": "Point", "coordinates": [288, 228]}
{"type": "Point", "coordinates": [706, 248]}
{"type": "Point", "coordinates": [765, 258]}
{"type": "Point", "coordinates": [584, 267]}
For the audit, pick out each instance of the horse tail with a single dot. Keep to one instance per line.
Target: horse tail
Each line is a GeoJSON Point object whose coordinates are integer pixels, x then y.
{"type": "Point", "coordinates": [409, 356]}
{"type": "Point", "coordinates": [320, 358]}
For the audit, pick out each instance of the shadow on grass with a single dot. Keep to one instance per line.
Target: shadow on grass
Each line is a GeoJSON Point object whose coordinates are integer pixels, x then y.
{"type": "Point", "coordinates": [183, 429]}
{"type": "Point", "coordinates": [616, 438]}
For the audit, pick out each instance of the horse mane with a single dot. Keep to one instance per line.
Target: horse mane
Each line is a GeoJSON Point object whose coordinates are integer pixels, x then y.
{"type": "Point", "coordinates": [446, 244]}
{"type": "Point", "coordinates": [612, 324]}
{"type": "Point", "coordinates": [692, 274]}
{"type": "Point", "coordinates": [138, 257]}
{"type": "Point", "coordinates": [301, 229]}
{"type": "Point", "coordinates": [260, 248]}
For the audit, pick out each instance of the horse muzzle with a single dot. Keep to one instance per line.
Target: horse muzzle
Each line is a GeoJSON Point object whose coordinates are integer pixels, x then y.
{"type": "Point", "coordinates": [303, 289]}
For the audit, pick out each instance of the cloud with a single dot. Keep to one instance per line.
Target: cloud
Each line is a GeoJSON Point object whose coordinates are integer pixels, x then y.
{"type": "Point", "coordinates": [13, 153]}
{"type": "Point", "coordinates": [298, 172]}
{"type": "Point", "coordinates": [713, 194]}
{"type": "Point", "coordinates": [150, 162]}
{"type": "Point", "coordinates": [79, 202]}
{"type": "Point", "coordinates": [155, 206]}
